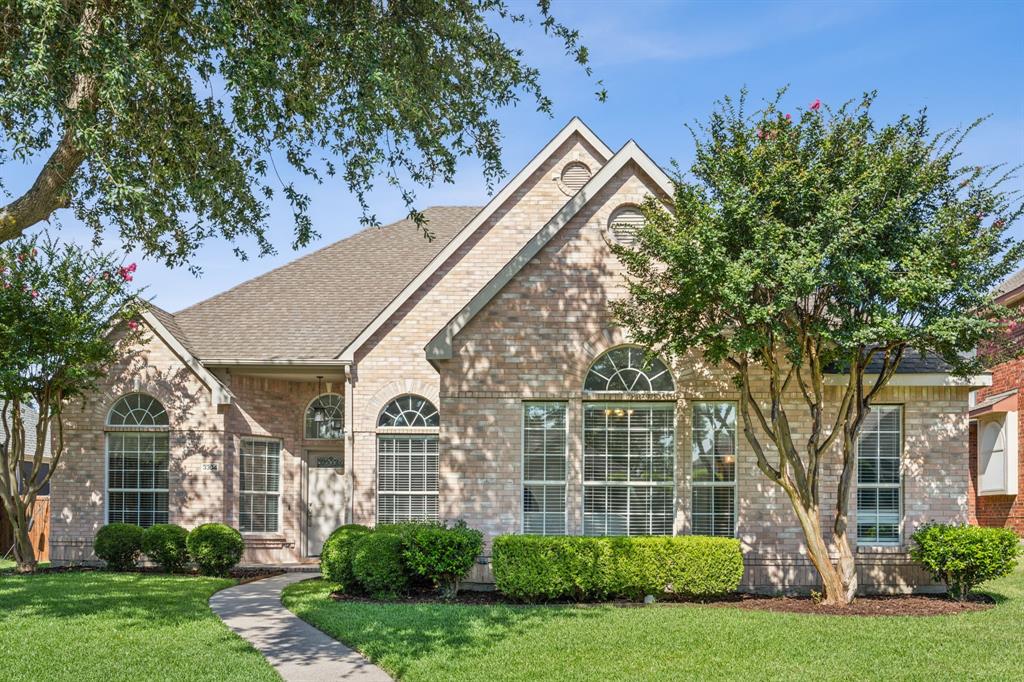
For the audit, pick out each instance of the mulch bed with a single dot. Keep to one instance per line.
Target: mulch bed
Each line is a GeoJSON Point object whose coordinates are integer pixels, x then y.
{"type": "Point", "coordinates": [882, 605]}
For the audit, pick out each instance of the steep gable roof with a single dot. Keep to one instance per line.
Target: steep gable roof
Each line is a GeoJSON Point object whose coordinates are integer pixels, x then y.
{"type": "Point", "coordinates": [1011, 288]}
{"type": "Point", "coordinates": [440, 347]}
{"type": "Point", "coordinates": [574, 127]}
{"type": "Point", "coordinates": [314, 306]}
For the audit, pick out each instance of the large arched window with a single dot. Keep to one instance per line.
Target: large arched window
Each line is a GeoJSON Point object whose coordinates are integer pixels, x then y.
{"type": "Point", "coordinates": [628, 369]}
{"type": "Point", "coordinates": [409, 410]}
{"type": "Point", "coordinates": [629, 448]}
{"type": "Point", "coordinates": [138, 461]}
{"type": "Point", "coordinates": [324, 417]}
{"type": "Point", "coordinates": [407, 461]}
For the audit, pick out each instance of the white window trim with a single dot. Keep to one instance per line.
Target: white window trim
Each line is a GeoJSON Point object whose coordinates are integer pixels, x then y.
{"type": "Point", "coordinates": [630, 484]}
{"type": "Point", "coordinates": [106, 467]}
{"type": "Point", "coordinates": [604, 393]}
{"type": "Point", "coordinates": [523, 481]}
{"type": "Point", "coordinates": [886, 486]}
{"type": "Point", "coordinates": [694, 483]}
{"type": "Point", "coordinates": [395, 434]}
{"type": "Point", "coordinates": [341, 418]}
{"type": "Point", "coordinates": [280, 486]}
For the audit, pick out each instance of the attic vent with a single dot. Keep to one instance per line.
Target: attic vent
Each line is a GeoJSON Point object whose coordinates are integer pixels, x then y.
{"type": "Point", "coordinates": [575, 175]}
{"type": "Point", "coordinates": [624, 223]}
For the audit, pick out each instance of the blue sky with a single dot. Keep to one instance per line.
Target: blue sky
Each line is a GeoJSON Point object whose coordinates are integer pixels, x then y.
{"type": "Point", "coordinates": [665, 63]}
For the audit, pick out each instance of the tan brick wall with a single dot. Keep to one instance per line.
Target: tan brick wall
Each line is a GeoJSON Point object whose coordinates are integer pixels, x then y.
{"type": "Point", "coordinates": [393, 360]}
{"type": "Point", "coordinates": [199, 434]}
{"type": "Point", "coordinates": [537, 339]}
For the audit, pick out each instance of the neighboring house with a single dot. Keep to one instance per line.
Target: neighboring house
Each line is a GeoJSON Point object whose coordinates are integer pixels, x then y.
{"type": "Point", "coordinates": [39, 526]}
{"type": "Point", "coordinates": [997, 431]}
{"type": "Point", "coordinates": [481, 377]}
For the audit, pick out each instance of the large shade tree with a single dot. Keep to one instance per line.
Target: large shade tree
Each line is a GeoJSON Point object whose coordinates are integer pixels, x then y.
{"type": "Point", "coordinates": [821, 243]}
{"type": "Point", "coordinates": [58, 308]}
{"type": "Point", "coordinates": [170, 121]}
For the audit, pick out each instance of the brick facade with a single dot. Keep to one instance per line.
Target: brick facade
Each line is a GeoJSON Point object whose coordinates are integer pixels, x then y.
{"type": "Point", "coordinates": [536, 339]}
{"type": "Point", "coordinates": [1005, 511]}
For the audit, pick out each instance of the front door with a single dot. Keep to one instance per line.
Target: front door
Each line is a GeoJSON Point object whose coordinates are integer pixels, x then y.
{"type": "Point", "coordinates": [325, 498]}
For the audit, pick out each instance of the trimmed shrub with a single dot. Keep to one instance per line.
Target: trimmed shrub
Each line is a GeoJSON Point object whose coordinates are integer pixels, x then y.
{"type": "Point", "coordinates": [538, 568]}
{"type": "Point", "coordinates": [336, 555]}
{"type": "Point", "coordinates": [442, 555]}
{"type": "Point", "coordinates": [164, 544]}
{"type": "Point", "coordinates": [215, 548]}
{"type": "Point", "coordinates": [120, 545]}
{"type": "Point", "coordinates": [963, 557]}
{"type": "Point", "coordinates": [377, 564]}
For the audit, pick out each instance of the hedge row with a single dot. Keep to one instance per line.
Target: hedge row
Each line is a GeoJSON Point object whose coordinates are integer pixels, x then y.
{"type": "Point", "coordinates": [387, 560]}
{"type": "Point", "coordinates": [542, 568]}
{"type": "Point", "coordinates": [214, 547]}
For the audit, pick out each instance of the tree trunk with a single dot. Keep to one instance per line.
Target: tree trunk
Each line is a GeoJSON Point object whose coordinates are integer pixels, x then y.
{"type": "Point", "coordinates": [24, 552]}
{"type": "Point", "coordinates": [835, 581]}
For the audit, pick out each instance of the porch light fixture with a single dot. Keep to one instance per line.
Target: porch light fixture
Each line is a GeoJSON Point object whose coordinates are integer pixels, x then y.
{"type": "Point", "coordinates": [319, 411]}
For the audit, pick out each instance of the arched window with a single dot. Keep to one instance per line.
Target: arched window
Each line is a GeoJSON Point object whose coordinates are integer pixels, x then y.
{"type": "Point", "coordinates": [407, 463]}
{"type": "Point", "coordinates": [409, 410]}
{"type": "Point", "coordinates": [628, 369]}
{"type": "Point", "coordinates": [324, 417]}
{"type": "Point", "coordinates": [624, 224]}
{"type": "Point", "coordinates": [137, 409]}
{"type": "Point", "coordinates": [138, 461]}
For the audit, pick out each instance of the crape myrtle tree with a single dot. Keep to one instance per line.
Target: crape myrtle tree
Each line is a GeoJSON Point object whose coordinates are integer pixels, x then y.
{"type": "Point", "coordinates": [58, 308]}
{"type": "Point", "coordinates": [820, 243]}
{"type": "Point", "coordinates": [170, 121]}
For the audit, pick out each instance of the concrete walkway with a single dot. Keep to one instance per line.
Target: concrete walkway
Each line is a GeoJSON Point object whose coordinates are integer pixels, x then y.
{"type": "Point", "coordinates": [297, 650]}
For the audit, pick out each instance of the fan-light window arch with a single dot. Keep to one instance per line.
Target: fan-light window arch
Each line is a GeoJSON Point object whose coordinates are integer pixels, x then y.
{"type": "Point", "coordinates": [325, 418]}
{"type": "Point", "coordinates": [138, 461]}
{"type": "Point", "coordinates": [137, 409]}
{"type": "Point", "coordinates": [409, 411]}
{"type": "Point", "coordinates": [628, 369]}
{"type": "Point", "coordinates": [624, 223]}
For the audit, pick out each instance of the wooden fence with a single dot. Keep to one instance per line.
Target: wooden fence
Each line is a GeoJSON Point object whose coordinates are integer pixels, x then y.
{"type": "Point", "coordinates": [39, 531]}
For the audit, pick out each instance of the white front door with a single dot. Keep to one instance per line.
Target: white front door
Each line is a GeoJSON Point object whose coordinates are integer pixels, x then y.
{"type": "Point", "coordinates": [325, 498]}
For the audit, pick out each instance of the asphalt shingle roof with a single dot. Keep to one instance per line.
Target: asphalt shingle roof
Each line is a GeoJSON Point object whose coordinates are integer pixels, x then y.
{"type": "Point", "coordinates": [1011, 283]}
{"type": "Point", "coordinates": [314, 306]}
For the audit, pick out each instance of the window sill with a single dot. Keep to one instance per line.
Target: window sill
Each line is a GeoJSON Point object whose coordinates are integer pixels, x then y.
{"type": "Point", "coordinates": [881, 549]}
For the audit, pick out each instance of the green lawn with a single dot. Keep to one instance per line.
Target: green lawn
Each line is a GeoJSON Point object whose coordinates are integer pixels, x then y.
{"type": "Point", "coordinates": [437, 642]}
{"type": "Point", "coordinates": [109, 626]}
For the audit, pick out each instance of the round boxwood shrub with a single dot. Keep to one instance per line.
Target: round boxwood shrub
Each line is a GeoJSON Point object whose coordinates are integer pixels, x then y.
{"type": "Point", "coordinates": [336, 555]}
{"type": "Point", "coordinates": [378, 566]}
{"type": "Point", "coordinates": [215, 548]}
{"type": "Point", "coordinates": [164, 544]}
{"type": "Point", "coordinates": [963, 557]}
{"type": "Point", "coordinates": [120, 545]}
{"type": "Point", "coordinates": [442, 555]}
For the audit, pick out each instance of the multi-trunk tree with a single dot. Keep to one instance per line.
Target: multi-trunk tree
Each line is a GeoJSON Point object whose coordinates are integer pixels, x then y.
{"type": "Point", "coordinates": [59, 307]}
{"type": "Point", "coordinates": [809, 254]}
{"type": "Point", "coordinates": [175, 122]}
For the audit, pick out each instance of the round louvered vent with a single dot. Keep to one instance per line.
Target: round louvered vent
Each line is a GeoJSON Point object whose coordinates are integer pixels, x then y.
{"type": "Point", "coordinates": [624, 224]}
{"type": "Point", "coordinates": [574, 176]}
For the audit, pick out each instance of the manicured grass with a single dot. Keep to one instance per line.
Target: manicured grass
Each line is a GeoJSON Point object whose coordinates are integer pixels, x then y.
{"type": "Point", "coordinates": [110, 626]}
{"type": "Point", "coordinates": [439, 642]}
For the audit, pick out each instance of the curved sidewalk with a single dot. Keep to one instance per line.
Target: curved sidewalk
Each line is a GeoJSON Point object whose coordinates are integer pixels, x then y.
{"type": "Point", "coordinates": [296, 649]}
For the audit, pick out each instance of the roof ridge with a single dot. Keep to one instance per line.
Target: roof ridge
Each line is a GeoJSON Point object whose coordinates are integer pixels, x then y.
{"type": "Point", "coordinates": [354, 235]}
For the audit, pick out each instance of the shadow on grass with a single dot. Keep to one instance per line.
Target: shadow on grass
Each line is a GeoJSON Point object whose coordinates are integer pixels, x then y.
{"type": "Point", "coordinates": [131, 597]}
{"type": "Point", "coordinates": [393, 634]}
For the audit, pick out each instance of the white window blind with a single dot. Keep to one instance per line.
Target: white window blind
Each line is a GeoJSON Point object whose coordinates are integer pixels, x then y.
{"type": "Point", "coordinates": [407, 473]}
{"type": "Point", "coordinates": [260, 488]}
{"type": "Point", "coordinates": [137, 466]}
{"type": "Point", "coordinates": [544, 463]}
{"type": "Point", "coordinates": [628, 469]}
{"type": "Point", "coordinates": [879, 452]}
{"type": "Point", "coordinates": [714, 469]}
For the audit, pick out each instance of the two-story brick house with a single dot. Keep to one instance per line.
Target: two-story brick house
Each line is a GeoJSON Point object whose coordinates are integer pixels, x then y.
{"type": "Point", "coordinates": [480, 377]}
